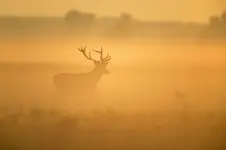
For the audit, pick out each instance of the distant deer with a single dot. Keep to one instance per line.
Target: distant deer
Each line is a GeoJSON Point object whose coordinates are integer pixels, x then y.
{"type": "Point", "coordinates": [82, 83]}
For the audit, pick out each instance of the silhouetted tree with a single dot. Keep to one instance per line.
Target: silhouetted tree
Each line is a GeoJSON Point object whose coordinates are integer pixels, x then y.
{"type": "Point", "coordinates": [214, 21]}
{"type": "Point", "coordinates": [124, 21]}
{"type": "Point", "coordinates": [126, 17]}
{"type": "Point", "coordinates": [77, 20]}
{"type": "Point", "coordinates": [73, 18]}
{"type": "Point", "coordinates": [73, 15]}
{"type": "Point", "coordinates": [217, 25]}
{"type": "Point", "coordinates": [223, 22]}
{"type": "Point", "coordinates": [123, 25]}
{"type": "Point", "coordinates": [88, 19]}
{"type": "Point", "coordinates": [223, 17]}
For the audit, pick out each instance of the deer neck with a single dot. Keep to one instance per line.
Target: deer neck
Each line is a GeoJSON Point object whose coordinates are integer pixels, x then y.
{"type": "Point", "coordinates": [96, 74]}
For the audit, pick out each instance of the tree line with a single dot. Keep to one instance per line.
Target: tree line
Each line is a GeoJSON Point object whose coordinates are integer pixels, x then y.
{"type": "Point", "coordinates": [217, 25]}
{"type": "Point", "coordinates": [79, 23]}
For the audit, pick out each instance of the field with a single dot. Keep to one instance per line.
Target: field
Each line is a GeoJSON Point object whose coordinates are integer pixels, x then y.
{"type": "Point", "coordinates": [159, 95]}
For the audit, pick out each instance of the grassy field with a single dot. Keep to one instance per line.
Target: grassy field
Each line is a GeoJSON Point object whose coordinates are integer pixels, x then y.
{"type": "Point", "coordinates": [158, 95]}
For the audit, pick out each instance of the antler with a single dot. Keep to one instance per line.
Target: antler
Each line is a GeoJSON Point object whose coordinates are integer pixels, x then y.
{"type": "Point", "coordinates": [83, 50]}
{"type": "Point", "coordinates": [103, 60]}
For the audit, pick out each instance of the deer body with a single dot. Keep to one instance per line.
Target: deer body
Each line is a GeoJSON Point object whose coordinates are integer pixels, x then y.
{"type": "Point", "coordinates": [82, 86]}
{"type": "Point", "coordinates": [77, 82]}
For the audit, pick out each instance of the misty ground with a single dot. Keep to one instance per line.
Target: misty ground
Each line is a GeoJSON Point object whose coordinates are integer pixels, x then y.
{"type": "Point", "coordinates": [159, 95]}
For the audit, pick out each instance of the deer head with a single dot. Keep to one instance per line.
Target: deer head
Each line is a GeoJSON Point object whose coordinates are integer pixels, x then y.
{"type": "Point", "coordinates": [100, 65]}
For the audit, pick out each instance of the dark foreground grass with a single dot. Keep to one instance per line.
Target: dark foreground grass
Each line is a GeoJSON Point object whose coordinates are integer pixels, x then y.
{"type": "Point", "coordinates": [108, 130]}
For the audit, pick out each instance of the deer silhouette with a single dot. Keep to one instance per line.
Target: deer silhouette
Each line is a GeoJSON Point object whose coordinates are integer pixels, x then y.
{"type": "Point", "coordinates": [82, 84]}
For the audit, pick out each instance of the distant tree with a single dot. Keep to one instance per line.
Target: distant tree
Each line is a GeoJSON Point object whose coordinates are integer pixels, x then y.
{"type": "Point", "coordinates": [223, 23]}
{"type": "Point", "coordinates": [217, 25]}
{"type": "Point", "coordinates": [124, 21]}
{"type": "Point", "coordinates": [125, 17]}
{"type": "Point", "coordinates": [214, 21]}
{"type": "Point", "coordinates": [223, 19]}
{"type": "Point", "coordinates": [123, 26]}
{"type": "Point", "coordinates": [73, 17]}
{"type": "Point", "coordinates": [223, 16]}
{"type": "Point", "coordinates": [88, 19]}
{"type": "Point", "coordinates": [78, 20]}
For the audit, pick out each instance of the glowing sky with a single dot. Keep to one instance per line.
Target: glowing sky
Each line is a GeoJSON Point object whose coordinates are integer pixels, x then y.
{"type": "Point", "coordinates": [185, 10]}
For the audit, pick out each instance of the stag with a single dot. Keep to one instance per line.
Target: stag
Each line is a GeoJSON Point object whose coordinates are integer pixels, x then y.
{"type": "Point", "coordinates": [83, 83]}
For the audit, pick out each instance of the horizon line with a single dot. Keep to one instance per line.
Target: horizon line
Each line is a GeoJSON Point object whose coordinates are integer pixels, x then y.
{"type": "Point", "coordinates": [2, 15]}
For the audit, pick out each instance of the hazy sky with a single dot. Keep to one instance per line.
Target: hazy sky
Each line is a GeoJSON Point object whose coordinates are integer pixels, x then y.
{"type": "Point", "coordinates": [186, 10]}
